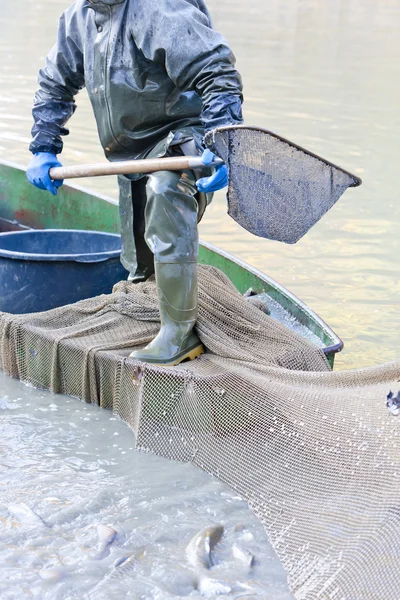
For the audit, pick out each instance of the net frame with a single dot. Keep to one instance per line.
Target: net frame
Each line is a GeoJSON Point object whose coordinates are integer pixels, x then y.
{"type": "Point", "coordinates": [259, 198]}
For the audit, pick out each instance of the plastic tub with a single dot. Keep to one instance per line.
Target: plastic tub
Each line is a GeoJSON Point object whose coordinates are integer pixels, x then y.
{"type": "Point", "coordinates": [43, 269]}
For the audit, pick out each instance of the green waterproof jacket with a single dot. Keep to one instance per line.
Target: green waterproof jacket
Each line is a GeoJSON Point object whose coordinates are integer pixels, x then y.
{"type": "Point", "coordinates": [151, 68]}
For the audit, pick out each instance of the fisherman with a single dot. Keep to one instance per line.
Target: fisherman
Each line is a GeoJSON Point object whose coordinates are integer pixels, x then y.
{"type": "Point", "coordinates": [158, 77]}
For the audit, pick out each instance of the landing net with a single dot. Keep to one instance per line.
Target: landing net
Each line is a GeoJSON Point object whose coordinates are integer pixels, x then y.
{"type": "Point", "coordinates": [277, 190]}
{"type": "Point", "coordinates": [314, 452]}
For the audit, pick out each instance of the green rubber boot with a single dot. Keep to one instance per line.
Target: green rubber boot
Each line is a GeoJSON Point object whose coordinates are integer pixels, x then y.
{"type": "Point", "coordinates": [177, 296]}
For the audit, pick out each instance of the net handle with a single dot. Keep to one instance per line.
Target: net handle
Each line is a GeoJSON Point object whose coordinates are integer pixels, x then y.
{"type": "Point", "coordinates": [128, 167]}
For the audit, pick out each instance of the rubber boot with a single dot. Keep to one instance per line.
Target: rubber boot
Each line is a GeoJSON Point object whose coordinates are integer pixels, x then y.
{"type": "Point", "coordinates": [177, 296]}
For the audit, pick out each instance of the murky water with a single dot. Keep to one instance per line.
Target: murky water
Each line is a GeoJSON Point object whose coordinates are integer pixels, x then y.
{"type": "Point", "coordinates": [324, 74]}
{"type": "Point", "coordinates": [68, 470]}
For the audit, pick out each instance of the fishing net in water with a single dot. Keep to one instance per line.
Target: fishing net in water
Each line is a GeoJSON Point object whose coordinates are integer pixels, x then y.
{"type": "Point", "coordinates": [277, 190]}
{"type": "Point", "coordinates": [314, 452]}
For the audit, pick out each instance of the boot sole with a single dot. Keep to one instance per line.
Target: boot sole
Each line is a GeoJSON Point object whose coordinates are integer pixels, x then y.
{"type": "Point", "coordinates": [187, 355]}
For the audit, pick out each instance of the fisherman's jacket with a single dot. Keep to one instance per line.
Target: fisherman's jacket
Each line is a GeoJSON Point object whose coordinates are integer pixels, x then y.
{"type": "Point", "coordinates": [150, 67]}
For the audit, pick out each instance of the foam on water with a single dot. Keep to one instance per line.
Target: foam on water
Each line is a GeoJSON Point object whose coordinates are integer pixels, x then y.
{"type": "Point", "coordinates": [67, 467]}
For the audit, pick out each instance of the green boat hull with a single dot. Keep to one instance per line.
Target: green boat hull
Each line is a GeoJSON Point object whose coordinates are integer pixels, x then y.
{"type": "Point", "coordinates": [24, 206]}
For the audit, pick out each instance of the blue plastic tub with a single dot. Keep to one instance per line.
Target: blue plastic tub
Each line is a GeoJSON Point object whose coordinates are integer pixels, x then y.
{"type": "Point", "coordinates": [43, 269]}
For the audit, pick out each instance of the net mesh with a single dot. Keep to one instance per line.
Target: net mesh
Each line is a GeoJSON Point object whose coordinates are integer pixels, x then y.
{"type": "Point", "coordinates": [277, 190]}
{"type": "Point", "coordinates": [314, 452]}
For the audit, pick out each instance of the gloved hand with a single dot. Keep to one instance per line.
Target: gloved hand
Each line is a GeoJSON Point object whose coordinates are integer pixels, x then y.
{"type": "Point", "coordinates": [38, 169]}
{"type": "Point", "coordinates": [215, 182]}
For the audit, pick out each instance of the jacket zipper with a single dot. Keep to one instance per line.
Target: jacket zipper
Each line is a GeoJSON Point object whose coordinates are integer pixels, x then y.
{"type": "Point", "coordinates": [106, 81]}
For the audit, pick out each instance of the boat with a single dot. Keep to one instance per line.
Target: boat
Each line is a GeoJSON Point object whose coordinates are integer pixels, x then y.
{"type": "Point", "coordinates": [22, 206]}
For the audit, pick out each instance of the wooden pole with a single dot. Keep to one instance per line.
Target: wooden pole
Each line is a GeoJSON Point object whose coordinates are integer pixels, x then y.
{"type": "Point", "coordinates": [150, 165]}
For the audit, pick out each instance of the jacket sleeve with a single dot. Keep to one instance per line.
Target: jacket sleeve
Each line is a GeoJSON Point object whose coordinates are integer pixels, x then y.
{"type": "Point", "coordinates": [196, 57]}
{"type": "Point", "coordinates": [59, 82]}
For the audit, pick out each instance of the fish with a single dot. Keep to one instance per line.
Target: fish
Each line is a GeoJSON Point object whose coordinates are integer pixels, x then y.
{"type": "Point", "coordinates": [26, 515]}
{"type": "Point", "coordinates": [243, 555]}
{"type": "Point", "coordinates": [393, 403]}
{"type": "Point", "coordinates": [199, 551]}
{"type": "Point", "coordinates": [122, 567]}
{"type": "Point", "coordinates": [106, 535]}
{"type": "Point", "coordinates": [125, 564]}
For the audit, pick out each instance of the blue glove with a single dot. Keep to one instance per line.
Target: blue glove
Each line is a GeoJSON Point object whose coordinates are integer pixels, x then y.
{"type": "Point", "coordinates": [38, 169]}
{"type": "Point", "coordinates": [215, 182]}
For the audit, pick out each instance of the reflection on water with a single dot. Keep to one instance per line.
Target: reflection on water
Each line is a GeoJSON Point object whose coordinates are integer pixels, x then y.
{"type": "Point", "coordinates": [324, 74]}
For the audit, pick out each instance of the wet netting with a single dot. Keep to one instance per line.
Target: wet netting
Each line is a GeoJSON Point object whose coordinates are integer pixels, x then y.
{"type": "Point", "coordinates": [277, 190]}
{"type": "Point", "coordinates": [314, 452]}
